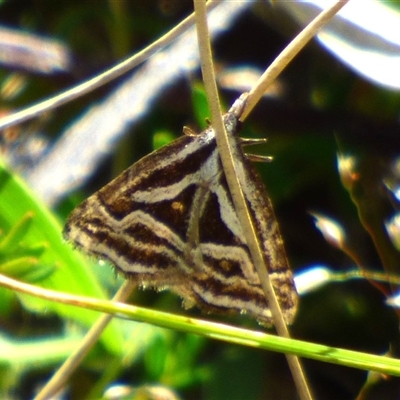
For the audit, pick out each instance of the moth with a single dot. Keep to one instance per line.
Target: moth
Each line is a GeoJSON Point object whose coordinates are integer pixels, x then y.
{"type": "Point", "coordinates": [168, 222]}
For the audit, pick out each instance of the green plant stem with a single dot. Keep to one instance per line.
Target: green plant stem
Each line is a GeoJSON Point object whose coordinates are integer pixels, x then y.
{"type": "Point", "coordinates": [212, 330]}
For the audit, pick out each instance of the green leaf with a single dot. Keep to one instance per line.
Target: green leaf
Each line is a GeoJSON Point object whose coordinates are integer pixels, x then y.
{"type": "Point", "coordinates": [10, 241]}
{"type": "Point", "coordinates": [72, 273]}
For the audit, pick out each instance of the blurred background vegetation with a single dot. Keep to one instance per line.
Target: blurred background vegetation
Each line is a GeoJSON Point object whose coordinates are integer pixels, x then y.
{"type": "Point", "coordinates": [317, 109]}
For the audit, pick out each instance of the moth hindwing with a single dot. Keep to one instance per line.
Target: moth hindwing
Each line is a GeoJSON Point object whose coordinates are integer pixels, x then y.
{"type": "Point", "coordinates": [168, 222]}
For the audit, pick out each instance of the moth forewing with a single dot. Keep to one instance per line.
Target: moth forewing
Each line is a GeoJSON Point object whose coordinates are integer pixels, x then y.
{"type": "Point", "coordinates": [168, 222]}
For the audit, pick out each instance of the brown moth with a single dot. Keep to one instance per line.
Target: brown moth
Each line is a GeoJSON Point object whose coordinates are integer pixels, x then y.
{"type": "Point", "coordinates": [168, 222]}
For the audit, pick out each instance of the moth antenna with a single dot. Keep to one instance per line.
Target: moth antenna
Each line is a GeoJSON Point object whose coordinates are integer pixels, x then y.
{"type": "Point", "coordinates": [258, 158]}
{"type": "Point", "coordinates": [252, 141]}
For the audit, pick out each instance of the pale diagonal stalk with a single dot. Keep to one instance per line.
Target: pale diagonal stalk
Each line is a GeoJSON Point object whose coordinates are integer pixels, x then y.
{"type": "Point", "coordinates": [102, 79]}
{"type": "Point", "coordinates": [239, 201]}
{"type": "Point", "coordinates": [287, 55]}
{"type": "Point", "coordinates": [59, 379]}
